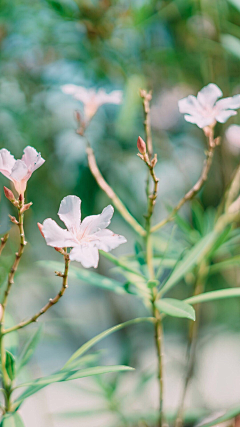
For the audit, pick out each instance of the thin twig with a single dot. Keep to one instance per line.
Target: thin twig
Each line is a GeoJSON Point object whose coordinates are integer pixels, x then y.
{"type": "Point", "coordinates": [195, 189]}
{"type": "Point", "coordinates": [147, 97]}
{"type": "Point", "coordinates": [111, 194]}
{"type": "Point", "coordinates": [3, 242]}
{"type": "Point", "coordinates": [50, 303]}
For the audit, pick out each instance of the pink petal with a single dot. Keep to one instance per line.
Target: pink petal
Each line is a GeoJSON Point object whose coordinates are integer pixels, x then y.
{"type": "Point", "coordinates": [7, 162]}
{"type": "Point", "coordinates": [209, 95]}
{"type": "Point", "coordinates": [32, 158]}
{"type": "Point", "coordinates": [20, 171]}
{"type": "Point", "coordinates": [114, 97]}
{"type": "Point", "coordinates": [56, 236]}
{"type": "Point", "coordinates": [189, 105]}
{"type": "Point", "coordinates": [200, 121]}
{"type": "Point", "coordinates": [70, 213]}
{"type": "Point", "coordinates": [107, 240]}
{"type": "Point", "coordinates": [233, 135]}
{"type": "Point", "coordinates": [230, 102]}
{"type": "Point", "coordinates": [92, 224]}
{"type": "Point", "coordinates": [223, 116]}
{"type": "Point", "coordinates": [86, 254]}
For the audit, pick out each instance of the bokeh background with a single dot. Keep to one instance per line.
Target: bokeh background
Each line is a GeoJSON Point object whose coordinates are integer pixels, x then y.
{"type": "Point", "coordinates": [174, 48]}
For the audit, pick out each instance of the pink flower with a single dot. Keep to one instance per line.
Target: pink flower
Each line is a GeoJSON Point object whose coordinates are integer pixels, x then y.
{"type": "Point", "coordinates": [91, 99]}
{"type": "Point", "coordinates": [205, 110]}
{"type": "Point", "coordinates": [19, 171]}
{"type": "Point", "coordinates": [233, 136]}
{"type": "Point", "coordinates": [85, 237]}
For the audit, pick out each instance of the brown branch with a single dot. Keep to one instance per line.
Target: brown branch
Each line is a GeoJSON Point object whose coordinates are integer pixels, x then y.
{"type": "Point", "coordinates": [195, 189]}
{"type": "Point", "coordinates": [3, 242]}
{"type": "Point", "coordinates": [111, 194]}
{"type": "Point", "coordinates": [50, 303]}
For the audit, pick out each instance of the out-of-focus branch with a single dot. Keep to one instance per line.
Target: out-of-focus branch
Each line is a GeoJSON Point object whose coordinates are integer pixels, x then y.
{"type": "Point", "coordinates": [3, 242]}
{"type": "Point", "coordinates": [147, 97]}
{"type": "Point", "coordinates": [111, 194]}
{"type": "Point", "coordinates": [196, 188]}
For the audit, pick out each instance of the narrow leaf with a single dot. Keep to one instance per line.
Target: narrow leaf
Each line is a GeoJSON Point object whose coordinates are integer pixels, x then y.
{"type": "Point", "coordinates": [12, 420]}
{"type": "Point", "coordinates": [87, 276]}
{"type": "Point", "coordinates": [29, 349]}
{"type": "Point", "coordinates": [214, 295]}
{"type": "Point", "coordinates": [175, 308]}
{"type": "Point", "coordinates": [10, 365]}
{"type": "Point", "coordinates": [189, 261]}
{"type": "Point", "coordinates": [38, 384]}
{"type": "Point", "coordinates": [228, 415]}
{"type": "Point", "coordinates": [228, 263]}
{"type": "Point", "coordinates": [85, 347]}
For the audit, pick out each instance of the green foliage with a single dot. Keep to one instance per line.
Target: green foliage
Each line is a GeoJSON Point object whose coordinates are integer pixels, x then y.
{"type": "Point", "coordinates": [12, 420]}
{"type": "Point", "coordinates": [10, 365]}
{"type": "Point", "coordinates": [175, 308]}
{"type": "Point", "coordinates": [29, 349]}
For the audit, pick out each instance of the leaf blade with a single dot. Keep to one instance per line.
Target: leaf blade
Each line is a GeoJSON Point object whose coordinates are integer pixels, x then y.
{"type": "Point", "coordinates": [175, 308]}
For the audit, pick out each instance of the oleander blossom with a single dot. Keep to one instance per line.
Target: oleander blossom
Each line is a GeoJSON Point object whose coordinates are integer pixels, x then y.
{"type": "Point", "coordinates": [233, 137]}
{"type": "Point", "coordinates": [205, 109]}
{"type": "Point", "coordinates": [19, 171]}
{"type": "Point", "coordinates": [86, 237]}
{"type": "Point", "coordinates": [92, 99]}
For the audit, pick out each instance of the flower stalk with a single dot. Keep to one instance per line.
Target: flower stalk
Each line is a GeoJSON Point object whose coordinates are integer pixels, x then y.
{"type": "Point", "coordinates": [212, 143]}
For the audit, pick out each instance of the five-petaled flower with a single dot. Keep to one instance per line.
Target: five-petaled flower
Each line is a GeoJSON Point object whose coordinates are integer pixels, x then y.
{"type": "Point", "coordinates": [92, 99]}
{"type": "Point", "coordinates": [86, 237]}
{"type": "Point", "coordinates": [19, 171]}
{"type": "Point", "coordinates": [204, 110]}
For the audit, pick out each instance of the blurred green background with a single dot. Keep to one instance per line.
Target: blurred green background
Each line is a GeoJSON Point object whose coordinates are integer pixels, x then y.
{"type": "Point", "coordinates": [174, 48]}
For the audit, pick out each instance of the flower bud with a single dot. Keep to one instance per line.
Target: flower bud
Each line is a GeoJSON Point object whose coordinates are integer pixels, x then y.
{"type": "Point", "coordinates": [10, 196]}
{"type": "Point", "coordinates": [25, 207]}
{"type": "Point", "coordinates": [154, 161]}
{"type": "Point", "coordinates": [13, 219]}
{"type": "Point", "coordinates": [78, 117]}
{"type": "Point", "coordinates": [141, 145]}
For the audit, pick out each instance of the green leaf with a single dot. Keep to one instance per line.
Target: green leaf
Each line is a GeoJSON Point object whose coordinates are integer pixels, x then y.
{"type": "Point", "coordinates": [228, 263]}
{"type": "Point", "coordinates": [10, 365]}
{"type": "Point", "coordinates": [29, 349]}
{"type": "Point", "coordinates": [120, 263]}
{"type": "Point", "coordinates": [12, 420]}
{"type": "Point", "coordinates": [36, 385]}
{"type": "Point", "coordinates": [214, 295]}
{"type": "Point", "coordinates": [231, 44]}
{"type": "Point", "coordinates": [87, 276]}
{"type": "Point", "coordinates": [194, 255]}
{"type": "Point", "coordinates": [235, 3]}
{"type": "Point", "coordinates": [176, 308]}
{"type": "Point", "coordinates": [85, 347]}
{"type": "Point", "coordinates": [228, 415]}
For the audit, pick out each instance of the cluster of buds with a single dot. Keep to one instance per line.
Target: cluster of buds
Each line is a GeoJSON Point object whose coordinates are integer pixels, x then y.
{"type": "Point", "coordinates": [19, 204]}
{"type": "Point", "coordinates": [141, 145]}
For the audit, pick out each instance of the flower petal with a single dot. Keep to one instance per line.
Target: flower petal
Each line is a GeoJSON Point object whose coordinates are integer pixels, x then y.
{"type": "Point", "coordinates": [208, 95]}
{"type": "Point", "coordinates": [224, 115]}
{"type": "Point", "coordinates": [233, 135]}
{"type": "Point", "coordinates": [107, 240]}
{"type": "Point", "coordinates": [92, 224]}
{"type": "Point", "coordinates": [114, 97]}
{"type": "Point", "coordinates": [189, 105]}
{"type": "Point", "coordinates": [70, 213]}
{"type": "Point", "coordinates": [78, 92]}
{"type": "Point", "coordinates": [86, 254]}
{"type": "Point", "coordinates": [230, 102]}
{"type": "Point", "coordinates": [200, 121]}
{"type": "Point", "coordinates": [7, 162]}
{"type": "Point", "coordinates": [56, 236]}
{"type": "Point", "coordinates": [32, 158]}
{"type": "Point", "coordinates": [19, 171]}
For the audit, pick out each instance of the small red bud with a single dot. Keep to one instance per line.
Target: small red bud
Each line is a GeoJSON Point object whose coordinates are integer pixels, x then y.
{"type": "Point", "coordinates": [154, 161]}
{"type": "Point", "coordinates": [40, 226]}
{"type": "Point", "coordinates": [78, 116]}
{"type": "Point", "coordinates": [141, 145]}
{"type": "Point", "coordinates": [9, 195]}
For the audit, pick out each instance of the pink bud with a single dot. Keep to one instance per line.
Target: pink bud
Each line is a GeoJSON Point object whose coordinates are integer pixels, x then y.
{"type": "Point", "coordinates": [25, 207]}
{"type": "Point", "coordinates": [13, 219]}
{"type": "Point", "coordinates": [40, 226]}
{"type": "Point", "coordinates": [141, 145]}
{"type": "Point", "coordinates": [78, 116]}
{"type": "Point", "coordinates": [9, 195]}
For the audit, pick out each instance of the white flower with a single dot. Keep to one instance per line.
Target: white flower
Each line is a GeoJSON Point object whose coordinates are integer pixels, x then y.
{"type": "Point", "coordinates": [19, 171]}
{"type": "Point", "coordinates": [85, 237]}
{"type": "Point", "coordinates": [205, 110]}
{"type": "Point", "coordinates": [233, 136]}
{"type": "Point", "coordinates": [91, 99]}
